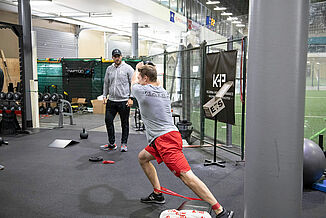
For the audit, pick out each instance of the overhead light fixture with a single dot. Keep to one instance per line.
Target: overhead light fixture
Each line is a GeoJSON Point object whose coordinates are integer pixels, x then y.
{"type": "Point", "coordinates": [240, 25]}
{"type": "Point", "coordinates": [212, 2]}
{"type": "Point", "coordinates": [226, 14]}
{"type": "Point", "coordinates": [232, 18]}
{"type": "Point", "coordinates": [220, 8]}
{"type": "Point", "coordinates": [236, 22]}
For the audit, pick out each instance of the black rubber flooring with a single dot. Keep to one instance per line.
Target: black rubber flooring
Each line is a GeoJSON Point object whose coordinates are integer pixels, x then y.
{"type": "Point", "coordinates": [47, 182]}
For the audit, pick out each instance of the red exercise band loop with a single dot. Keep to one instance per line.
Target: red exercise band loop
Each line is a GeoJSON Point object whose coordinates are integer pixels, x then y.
{"type": "Point", "coordinates": [169, 192]}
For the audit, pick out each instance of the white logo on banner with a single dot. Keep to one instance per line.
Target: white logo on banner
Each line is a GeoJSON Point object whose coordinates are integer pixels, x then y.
{"type": "Point", "coordinates": [219, 80]}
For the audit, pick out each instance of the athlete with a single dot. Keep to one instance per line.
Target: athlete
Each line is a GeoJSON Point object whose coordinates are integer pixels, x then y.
{"type": "Point", "coordinates": [164, 139]}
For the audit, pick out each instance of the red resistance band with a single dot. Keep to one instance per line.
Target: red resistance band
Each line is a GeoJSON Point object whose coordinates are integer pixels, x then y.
{"type": "Point", "coordinates": [169, 192]}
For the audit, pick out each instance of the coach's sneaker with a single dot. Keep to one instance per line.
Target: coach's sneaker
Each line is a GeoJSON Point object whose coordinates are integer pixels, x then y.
{"type": "Point", "coordinates": [124, 148]}
{"type": "Point", "coordinates": [109, 147]}
{"type": "Point", "coordinates": [153, 198]}
{"type": "Point", "coordinates": [225, 214]}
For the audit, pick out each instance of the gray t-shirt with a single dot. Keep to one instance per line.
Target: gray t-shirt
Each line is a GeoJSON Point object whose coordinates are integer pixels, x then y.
{"type": "Point", "coordinates": [155, 109]}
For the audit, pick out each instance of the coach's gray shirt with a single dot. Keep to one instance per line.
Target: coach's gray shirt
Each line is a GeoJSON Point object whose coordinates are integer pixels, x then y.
{"type": "Point", "coordinates": [155, 109]}
{"type": "Point", "coordinates": [117, 81]}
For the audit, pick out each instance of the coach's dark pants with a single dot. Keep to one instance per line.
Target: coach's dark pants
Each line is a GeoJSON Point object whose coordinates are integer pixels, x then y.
{"type": "Point", "coordinates": [112, 108]}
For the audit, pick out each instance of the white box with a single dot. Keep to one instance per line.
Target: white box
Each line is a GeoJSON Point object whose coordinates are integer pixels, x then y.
{"type": "Point", "coordinates": [216, 104]}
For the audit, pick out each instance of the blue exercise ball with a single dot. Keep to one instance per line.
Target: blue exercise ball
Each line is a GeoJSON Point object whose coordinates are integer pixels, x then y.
{"type": "Point", "coordinates": [314, 162]}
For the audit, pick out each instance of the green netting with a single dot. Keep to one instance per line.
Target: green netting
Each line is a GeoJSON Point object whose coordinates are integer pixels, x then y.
{"type": "Point", "coordinates": [49, 74]}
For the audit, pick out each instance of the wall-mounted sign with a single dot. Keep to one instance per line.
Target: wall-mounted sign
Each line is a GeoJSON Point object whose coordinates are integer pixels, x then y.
{"type": "Point", "coordinates": [189, 22]}
{"type": "Point", "coordinates": [172, 15]}
{"type": "Point", "coordinates": [177, 19]}
{"type": "Point", "coordinates": [210, 22]}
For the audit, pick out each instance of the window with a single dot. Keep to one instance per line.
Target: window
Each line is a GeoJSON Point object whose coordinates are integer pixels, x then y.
{"type": "Point", "coordinates": [181, 6]}
{"type": "Point", "coordinates": [165, 2]}
{"type": "Point", "coordinates": [174, 5]}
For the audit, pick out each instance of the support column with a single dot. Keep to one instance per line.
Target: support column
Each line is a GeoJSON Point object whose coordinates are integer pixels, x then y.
{"type": "Point", "coordinates": [229, 126]}
{"type": "Point", "coordinates": [275, 108]}
{"type": "Point", "coordinates": [25, 19]}
{"type": "Point", "coordinates": [134, 40]}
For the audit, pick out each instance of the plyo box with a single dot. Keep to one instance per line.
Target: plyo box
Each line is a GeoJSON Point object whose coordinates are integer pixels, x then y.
{"type": "Point", "coordinates": [98, 106]}
{"type": "Point", "coordinates": [216, 104]}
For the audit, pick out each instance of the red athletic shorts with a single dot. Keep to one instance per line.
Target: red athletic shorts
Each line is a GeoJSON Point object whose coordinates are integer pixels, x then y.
{"type": "Point", "coordinates": [167, 148]}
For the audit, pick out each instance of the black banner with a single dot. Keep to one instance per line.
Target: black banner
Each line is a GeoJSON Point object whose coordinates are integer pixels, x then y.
{"type": "Point", "coordinates": [77, 77]}
{"type": "Point", "coordinates": [78, 68]}
{"type": "Point", "coordinates": [221, 68]}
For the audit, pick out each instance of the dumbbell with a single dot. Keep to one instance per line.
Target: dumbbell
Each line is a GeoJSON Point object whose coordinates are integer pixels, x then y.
{"type": "Point", "coordinates": [55, 97]}
{"type": "Point", "coordinates": [56, 110]}
{"type": "Point", "coordinates": [49, 110]}
{"type": "Point", "coordinates": [17, 96]}
{"type": "Point", "coordinates": [2, 95]}
{"type": "Point", "coordinates": [42, 110]}
{"type": "Point", "coordinates": [5, 108]}
{"type": "Point", "coordinates": [60, 96]}
{"type": "Point", "coordinates": [40, 96]}
{"type": "Point", "coordinates": [9, 95]}
{"type": "Point", "coordinates": [47, 97]}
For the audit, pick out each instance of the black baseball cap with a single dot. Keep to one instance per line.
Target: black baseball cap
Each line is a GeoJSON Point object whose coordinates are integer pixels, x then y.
{"type": "Point", "coordinates": [116, 52]}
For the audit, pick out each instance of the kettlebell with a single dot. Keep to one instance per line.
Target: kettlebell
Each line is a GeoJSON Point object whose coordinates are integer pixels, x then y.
{"type": "Point", "coordinates": [84, 134]}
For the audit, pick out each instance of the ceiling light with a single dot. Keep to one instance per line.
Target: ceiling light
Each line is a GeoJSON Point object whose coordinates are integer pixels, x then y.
{"type": "Point", "coordinates": [212, 2]}
{"type": "Point", "coordinates": [226, 14]}
{"type": "Point", "coordinates": [220, 8]}
{"type": "Point", "coordinates": [240, 25]}
{"type": "Point", "coordinates": [232, 18]}
{"type": "Point", "coordinates": [236, 22]}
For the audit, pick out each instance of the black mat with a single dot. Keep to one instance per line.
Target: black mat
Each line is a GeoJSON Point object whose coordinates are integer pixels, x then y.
{"type": "Point", "coordinates": [46, 182]}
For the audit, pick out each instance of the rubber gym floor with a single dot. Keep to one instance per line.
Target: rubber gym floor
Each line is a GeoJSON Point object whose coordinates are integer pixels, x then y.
{"type": "Point", "coordinates": [39, 181]}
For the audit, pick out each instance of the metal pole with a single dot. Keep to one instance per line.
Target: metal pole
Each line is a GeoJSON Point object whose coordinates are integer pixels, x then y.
{"type": "Point", "coordinates": [275, 108]}
{"type": "Point", "coordinates": [229, 126]}
{"type": "Point", "coordinates": [134, 40]}
{"type": "Point", "coordinates": [24, 11]}
{"type": "Point", "coordinates": [312, 74]}
{"type": "Point", "coordinates": [202, 91]}
{"type": "Point", "coordinates": [244, 83]}
{"type": "Point", "coordinates": [164, 69]}
{"type": "Point", "coordinates": [318, 76]}
{"type": "Point", "coordinates": [215, 138]}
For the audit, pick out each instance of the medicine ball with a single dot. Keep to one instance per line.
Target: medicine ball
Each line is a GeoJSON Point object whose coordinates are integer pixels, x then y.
{"type": "Point", "coordinates": [47, 97]}
{"type": "Point", "coordinates": [17, 96]}
{"type": "Point", "coordinates": [2, 95]}
{"type": "Point", "coordinates": [10, 96]}
{"type": "Point", "coordinates": [49, 110]}
{"type": "Point", "coordinates": [42, 110]}
{"type": "Point", "coordinates": [40, 96]}
{"type": "Point", "coordinates": [56, 110]}
{"type": "Point", "coordinates": [314, 162]}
